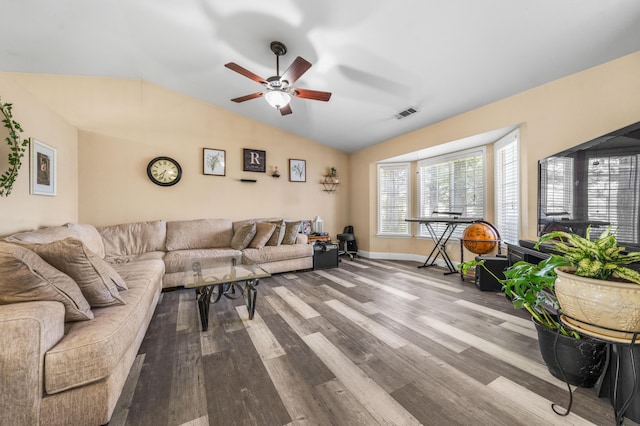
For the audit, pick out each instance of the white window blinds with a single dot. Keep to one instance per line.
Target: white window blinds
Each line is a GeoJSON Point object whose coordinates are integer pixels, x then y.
{"type": "Point", "coordinates": [507, 188]}
{"type": "Point", "coordinates": [393, 199]}
{"type": "Point", "coordinates": [452, 183]}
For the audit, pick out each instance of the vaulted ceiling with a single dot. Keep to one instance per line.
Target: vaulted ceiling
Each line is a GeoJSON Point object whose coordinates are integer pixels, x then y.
{"type": "Point", "coordinates": [442, 57]}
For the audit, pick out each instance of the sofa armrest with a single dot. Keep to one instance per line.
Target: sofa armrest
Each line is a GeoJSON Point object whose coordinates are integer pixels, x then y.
{"type": "Point", "coordinates": [28, 331]}
{"type": "Point", "coordinates": [302, 239]}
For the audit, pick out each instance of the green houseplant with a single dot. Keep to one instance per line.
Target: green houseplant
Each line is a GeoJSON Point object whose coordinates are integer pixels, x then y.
{"type": "Point", "coordinates": [17, 149]}
{"type": "Point", "coordinates": [597, 293]}
{"type": "Point", "coordinates": [568, 355]}
{"type": "Point", "coordinates": [531, 287]}
{"type": "Point", "coordinates": [602, 259]}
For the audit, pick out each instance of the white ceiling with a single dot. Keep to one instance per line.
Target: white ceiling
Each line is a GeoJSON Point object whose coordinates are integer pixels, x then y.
{"type": "Point", "coordinates": [377, 58]}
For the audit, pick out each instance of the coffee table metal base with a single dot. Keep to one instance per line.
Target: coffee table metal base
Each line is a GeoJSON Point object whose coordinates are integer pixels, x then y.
{"type": "Point", "coordinates": [212, 293]}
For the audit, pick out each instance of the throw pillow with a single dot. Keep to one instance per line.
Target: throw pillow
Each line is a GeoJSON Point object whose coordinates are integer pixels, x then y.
{"type": "Point", "coordinates": [264, 230]}
{"type": "Point", "coordinates": [243, 237]}
{"type": "Point", "coordinates": [91, 273]}
{"type": "Point", "coordinates": [25, 277]}
{"type": "Point", "coordinates": [278, 234]}
{"type": "Point", "coordinates": [291, 232]}
{"type": "Point", "coordinates": [90, 236]}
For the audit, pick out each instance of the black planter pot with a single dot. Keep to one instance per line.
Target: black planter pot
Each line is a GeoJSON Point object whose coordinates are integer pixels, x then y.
{"type": "Point", "coordinates": [582, 360]}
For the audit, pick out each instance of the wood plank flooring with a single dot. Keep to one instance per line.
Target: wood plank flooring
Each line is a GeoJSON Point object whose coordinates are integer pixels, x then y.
{"type": "Point", "coordinates": [371, 342]}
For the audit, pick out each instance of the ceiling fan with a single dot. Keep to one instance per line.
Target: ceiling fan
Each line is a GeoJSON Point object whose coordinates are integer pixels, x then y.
{"type": "Point", "coordinates": [278, 88]}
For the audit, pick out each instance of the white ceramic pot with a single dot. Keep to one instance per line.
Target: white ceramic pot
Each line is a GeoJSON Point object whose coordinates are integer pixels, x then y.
{"type": "Point", "coordinates": [608, 309]}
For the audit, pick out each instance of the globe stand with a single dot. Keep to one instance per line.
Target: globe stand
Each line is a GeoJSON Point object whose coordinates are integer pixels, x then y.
{"type": "Point", "coordinates": [478, 243]}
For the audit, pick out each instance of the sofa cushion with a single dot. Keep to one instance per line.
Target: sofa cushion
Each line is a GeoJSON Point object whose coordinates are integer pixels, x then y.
{"type": "Point", "coordinates": [243, 236]}
{"type": "Point", "coordinates": [90, 236]}
{"type": "Point", "coordinates": [199, 233]}
{"type": "Point", "coordinates": [25, 277]}
{"type": "Point", "coordinates": [274, 254]}
{"type": "Point", "coordinates": [291, 232]}
{"type": "Point", "coordinates": [278, 233]}
{"type": "Point", "coordinates": [136, 257]}
{"type": "Point", "coordinates": [264, 230]}
{"type": "Point", "coordinates": [96, 279]}
{"type": "Point", "coordinates": [91, 352]}
{"type": "Point", "coordinates": [134, 238]}
{"type": "Point", "coordinates": [43, 235]}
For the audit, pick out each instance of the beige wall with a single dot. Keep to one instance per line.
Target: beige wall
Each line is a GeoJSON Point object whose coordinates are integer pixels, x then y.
{"type": "Point", "coordinates": [555, 116]}
{"type": "Point", "coordinates": [21, 210]}
{"type": "Point", "coordinates": [125, 123]}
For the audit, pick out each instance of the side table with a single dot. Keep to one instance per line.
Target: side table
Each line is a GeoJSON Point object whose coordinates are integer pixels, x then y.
{"type": "Point", "coordinates": [314, 238]}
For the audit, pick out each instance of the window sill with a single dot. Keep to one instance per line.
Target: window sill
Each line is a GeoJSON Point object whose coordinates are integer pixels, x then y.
{"type": "Point", "coordinates": [393, 236]}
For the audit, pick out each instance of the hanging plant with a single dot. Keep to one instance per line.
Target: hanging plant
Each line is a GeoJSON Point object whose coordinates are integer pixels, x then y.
{"type": "Point", "coordinates": [16, 150]}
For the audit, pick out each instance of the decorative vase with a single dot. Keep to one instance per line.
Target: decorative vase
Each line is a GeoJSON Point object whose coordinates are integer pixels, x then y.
{"type": "Point", "coordinates": [581, 360]}
{"type": "Point", "coordinates": [318, 225]}
{"type": "Point", "coordinates": [605, 309]}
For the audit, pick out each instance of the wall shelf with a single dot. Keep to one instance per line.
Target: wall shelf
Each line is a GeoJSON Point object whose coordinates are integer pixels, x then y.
{"type": "Point", "coordinates": [330, 183]}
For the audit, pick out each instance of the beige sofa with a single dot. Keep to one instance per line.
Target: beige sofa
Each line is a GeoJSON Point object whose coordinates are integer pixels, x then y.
{"type": "Point", "coordinates": [61, 370]}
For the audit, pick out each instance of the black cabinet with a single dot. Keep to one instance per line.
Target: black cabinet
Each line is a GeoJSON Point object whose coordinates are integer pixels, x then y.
{"type": "Point", "coordinates": [485, 279]}
{"type": "Point", "coordinates": [325, 255]}
{"type": "Point", "coordinates": [516, 253]}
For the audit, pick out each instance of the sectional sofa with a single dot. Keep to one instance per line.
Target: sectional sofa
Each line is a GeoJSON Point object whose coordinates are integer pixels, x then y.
{"type": "Point", "coordinates": [76, 301]}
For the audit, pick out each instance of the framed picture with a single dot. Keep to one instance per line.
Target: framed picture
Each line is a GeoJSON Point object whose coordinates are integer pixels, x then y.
{"type": "Point", "coordinates": [297, 170]}
{"type": "Point", "coordinates": [305, 227]}
{"type": "Point", "coordinates": [214, 162]}
{"type": "Point", "coordinates": [254, 160]}
{"type": "Point", "coordinates": [43, 168]}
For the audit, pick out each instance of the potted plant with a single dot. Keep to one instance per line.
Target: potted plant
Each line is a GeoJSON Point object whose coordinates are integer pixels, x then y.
{"type": "Point", "coordinates": [568, 355]}
{"type": "Point", "coordinates": [597, 292]}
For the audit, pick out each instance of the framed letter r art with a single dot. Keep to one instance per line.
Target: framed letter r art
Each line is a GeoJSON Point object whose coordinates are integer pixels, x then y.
{"type": "Point", "coordinates": [43, 168]}
{"type": "Point", "coordinates": [254, 160]}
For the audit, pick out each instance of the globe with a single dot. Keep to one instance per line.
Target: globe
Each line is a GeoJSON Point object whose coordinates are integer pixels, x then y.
{"type": "Point", "coordinates": [480, 238]}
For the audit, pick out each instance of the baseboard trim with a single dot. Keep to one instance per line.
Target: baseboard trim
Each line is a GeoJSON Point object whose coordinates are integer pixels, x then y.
{"type": "Point", "coordinates": [410, 257]}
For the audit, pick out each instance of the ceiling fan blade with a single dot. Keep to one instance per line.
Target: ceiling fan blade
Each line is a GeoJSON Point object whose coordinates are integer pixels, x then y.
{"type": "Point", "coordinates": [316, 95]}
{"type": "Point", "coordinates": [286, 110]}
{"type": "Point", "coordinates": [295, 70]}
{"type": "Point", "coordinates": [240, 70]}
{"type": "Point", "coordinates": [247, 97]}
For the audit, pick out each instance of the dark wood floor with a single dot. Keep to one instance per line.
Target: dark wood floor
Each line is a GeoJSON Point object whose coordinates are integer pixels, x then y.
{"type": "Point", "coordinates": [372, 342]}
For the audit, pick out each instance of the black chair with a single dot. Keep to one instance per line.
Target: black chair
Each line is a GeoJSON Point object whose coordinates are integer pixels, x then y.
{"type": "Point", "coordinates": [347, 243]}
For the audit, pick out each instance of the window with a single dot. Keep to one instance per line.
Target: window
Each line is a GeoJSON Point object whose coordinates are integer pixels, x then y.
{"type": "Point", "coordinates": [452, 183]}
{"type": "Point", "coordinates": [507, 188]}
{"type": "Point", "coordinates": [393, 199]}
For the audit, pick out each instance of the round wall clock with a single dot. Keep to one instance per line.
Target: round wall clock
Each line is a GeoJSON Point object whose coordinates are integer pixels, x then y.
{"type": "Point", "coordinates": [164, 171]}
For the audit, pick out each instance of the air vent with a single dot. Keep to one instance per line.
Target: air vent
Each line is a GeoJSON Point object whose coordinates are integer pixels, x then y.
{"type": "Point", "coordinates": [407, 112]}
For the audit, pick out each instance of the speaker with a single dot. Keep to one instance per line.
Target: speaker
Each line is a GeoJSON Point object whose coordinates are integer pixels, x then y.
{"type": "Point", "coordinates": [484, 280]}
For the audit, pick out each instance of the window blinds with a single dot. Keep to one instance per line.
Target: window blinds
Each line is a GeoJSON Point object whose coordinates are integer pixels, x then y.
{"type": "Point", "coordinates": [507, 190]}
{"type": "Point", "coordinates": [452, 183]}
{"type": "Point", "coordinates": [393, 199]}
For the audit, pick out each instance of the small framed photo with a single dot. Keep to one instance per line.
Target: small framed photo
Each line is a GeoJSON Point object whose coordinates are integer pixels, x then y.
{"type": "Point", "coordinates": [306, 227]}
{"type": "Point", "coordinates": [297, 170]}
{"type": "Point", "coordinates": [254, 160]}
{"type": "Point", "coordinates": [214, 162]}
{"type": "Point", "coordinates": [43, 168]}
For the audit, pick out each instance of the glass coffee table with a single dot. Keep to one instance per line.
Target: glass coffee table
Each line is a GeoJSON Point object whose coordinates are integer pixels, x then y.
{"type": "Point", "coordinates": [231, 276]}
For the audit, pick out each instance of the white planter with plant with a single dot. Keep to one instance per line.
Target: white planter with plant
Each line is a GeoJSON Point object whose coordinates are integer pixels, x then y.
{"type": "Point", "coordinates": [598, 293]}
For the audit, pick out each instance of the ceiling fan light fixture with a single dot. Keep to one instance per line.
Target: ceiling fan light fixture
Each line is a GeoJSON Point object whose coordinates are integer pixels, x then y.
{"type": "Point", "coordinates": [277, 98]}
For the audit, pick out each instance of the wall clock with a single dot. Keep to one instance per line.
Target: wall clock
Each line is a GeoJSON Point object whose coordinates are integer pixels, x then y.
{"type": "Point", "coordinates": [164, 171]}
